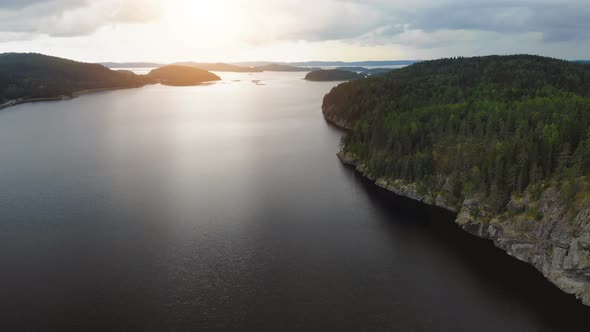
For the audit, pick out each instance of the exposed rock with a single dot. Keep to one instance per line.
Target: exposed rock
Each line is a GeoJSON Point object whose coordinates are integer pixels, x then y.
{"type": "Point", "coordinates": [542, 232]}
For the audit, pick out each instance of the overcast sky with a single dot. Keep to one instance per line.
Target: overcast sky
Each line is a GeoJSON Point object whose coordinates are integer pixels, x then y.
{"type": "Point", "coordinates": [293, 30]}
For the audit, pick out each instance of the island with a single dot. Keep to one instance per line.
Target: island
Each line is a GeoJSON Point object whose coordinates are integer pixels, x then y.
{"type": "Point", "coordinates": [333, 75]}
{"type": "Point", "coordinates": [175, 75]}
{"type": "Point", "coordinates": [502, 141]}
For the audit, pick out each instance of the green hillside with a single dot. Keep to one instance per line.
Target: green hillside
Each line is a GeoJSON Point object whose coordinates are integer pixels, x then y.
{"type": "Point", "coordinates": [30, 75]}
{"type": "Point", "coordinates": [492, 126]}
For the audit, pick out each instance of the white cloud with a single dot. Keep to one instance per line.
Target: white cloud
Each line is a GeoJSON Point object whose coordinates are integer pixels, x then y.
{"type": "Point", "coordinates": [226, 28]}
{"type": "Point", "coordinates": [71, 17]}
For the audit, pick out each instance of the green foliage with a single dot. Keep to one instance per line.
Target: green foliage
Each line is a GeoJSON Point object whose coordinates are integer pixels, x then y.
{"type": "Point", "coordinates": [332, 75]}
{"type": "Point", "coordinates": [534, 214]}
{"type": "Point", "coordinates": [492, 125]}
{"type": "Point", "coordinates": [182, 75]}
{"type": "Point", "coordinates": [29, 75]}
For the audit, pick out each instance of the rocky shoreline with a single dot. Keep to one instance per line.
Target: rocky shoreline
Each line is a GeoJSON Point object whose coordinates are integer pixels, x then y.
{"type": "Point", "coordinates": [533, 230]}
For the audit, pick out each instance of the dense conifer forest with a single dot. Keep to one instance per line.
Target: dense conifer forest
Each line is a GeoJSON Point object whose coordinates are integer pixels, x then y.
{"type": "Point", "coordinates": [494, 126]}
{"type": "Point", "coordinates": [30, 75]}
{"type": "Point", "coordinates": [176, 75]}
{"type": "Point", "coordinates": [333, 75]}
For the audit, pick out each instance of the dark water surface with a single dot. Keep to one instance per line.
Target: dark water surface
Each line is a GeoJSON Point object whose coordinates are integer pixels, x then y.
{"type": "Point", "coordinates": [223, 207]}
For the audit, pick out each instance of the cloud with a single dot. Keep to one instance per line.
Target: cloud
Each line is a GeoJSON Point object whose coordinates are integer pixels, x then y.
{"type": "Point", "coordinates": [67, 18]}
{"type": "Point", "coordinates": [556, 20]}
{"type": "Point", "coordinates": [445, 26]}
{"type": "Point", "coordinates": [381, 21]}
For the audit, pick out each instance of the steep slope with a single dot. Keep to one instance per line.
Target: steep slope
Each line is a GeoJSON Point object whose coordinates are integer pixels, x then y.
{"type": "Point", "coordinates": [504, 141]}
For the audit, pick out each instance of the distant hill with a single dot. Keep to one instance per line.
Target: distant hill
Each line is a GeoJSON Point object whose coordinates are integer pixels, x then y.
{"type": "Point", "coordinates": [281, 67]}
{"type": "Point", "coordinates": [260, 66]}
{"type": "Point", "coordinates": [331, 63]}
{"type": "Point", "coordinates": [182, 75]}
{"type": "Point", "coordinates": [586, 62]}
{"type": "Point", "coordinates": [355, 64]}
{"type": "Point", "coordinates": [254, 67]}
{"type": "Point", "coordinates": [25, 76]}
{"type": "Point", "coordinates": [131, 64]}
{"type": "Point", "coordinates": [374, 71]}
{"type": "Point", "coordinates": [333, 75]}
{"type": "Point", "coordinates": [355, 69]}
{"type": "Point", "coordinates": [221, 67]}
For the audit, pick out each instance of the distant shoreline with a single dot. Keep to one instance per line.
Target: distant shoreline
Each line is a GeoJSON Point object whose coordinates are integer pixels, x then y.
{"type": "Point", "coordinates": [76, 94]}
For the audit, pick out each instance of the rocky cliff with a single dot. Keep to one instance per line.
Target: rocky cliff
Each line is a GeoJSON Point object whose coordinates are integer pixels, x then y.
{"type": "Point", "coordinates": [536, 228]}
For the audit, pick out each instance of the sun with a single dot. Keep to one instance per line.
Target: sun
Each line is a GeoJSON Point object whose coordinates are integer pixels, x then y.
{"type": "Point", "coordinates": [205, 21]}
{"type": "Point", "coordinates": [202, 11]}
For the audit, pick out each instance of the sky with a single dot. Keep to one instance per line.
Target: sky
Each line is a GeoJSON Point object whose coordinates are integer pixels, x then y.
{"type": "Point", "coordinates": [293, 30]}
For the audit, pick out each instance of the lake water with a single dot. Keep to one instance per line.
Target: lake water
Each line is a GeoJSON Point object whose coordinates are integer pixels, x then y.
{"type": "Point", "coordinates": [224, 207]}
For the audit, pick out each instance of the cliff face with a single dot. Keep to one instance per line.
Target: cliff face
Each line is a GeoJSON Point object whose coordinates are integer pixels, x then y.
{"type": "Point", "coordinates": [542, 231]}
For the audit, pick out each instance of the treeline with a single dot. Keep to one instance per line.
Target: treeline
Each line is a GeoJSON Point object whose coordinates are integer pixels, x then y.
{"type": "Point", "coordinates": [333, 75]}
{"type": "Point", "coordinates": [489, 125]}
{"type": "Point", "coordinates": [30, 75]}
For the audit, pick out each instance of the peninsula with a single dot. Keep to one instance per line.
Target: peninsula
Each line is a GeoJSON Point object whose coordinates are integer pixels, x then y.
{"type": "Point", "coordinates": [35, 77]}
{"type": "Point", "coordinates": [503, 141]}
{"type": "Point", "coordinates": [30, 77]}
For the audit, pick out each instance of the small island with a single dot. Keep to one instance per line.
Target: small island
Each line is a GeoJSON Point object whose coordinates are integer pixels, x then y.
{"type": "Point", "coordinates": [176, 75]}
{"type": "Point", "coordinates": [333, 75]}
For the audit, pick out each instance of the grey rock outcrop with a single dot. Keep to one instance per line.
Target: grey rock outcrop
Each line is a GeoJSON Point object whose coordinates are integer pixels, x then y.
{"type": "Point", "coordinates": [542, 232]}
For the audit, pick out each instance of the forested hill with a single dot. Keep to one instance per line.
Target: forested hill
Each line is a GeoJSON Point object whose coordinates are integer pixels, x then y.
{"type": "Point", "coordinates": [30, 75]}
{"type": "Point", "coordinates": [176, 75]}
{"type": "Point", "coordinates": [332, 75]}
{"type": "Point", "coordinates": [502, 140]}
{"type": "Point", "coordinates": [459, 80]}
{"type": "Point", "coordinates": [487, 124]}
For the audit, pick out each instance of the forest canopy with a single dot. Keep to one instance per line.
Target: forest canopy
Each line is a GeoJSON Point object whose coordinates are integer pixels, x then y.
{"type": "Point", "coordinates": [31, 75]}
{"type": "Point", "coordinates": [182, 75]}
{"type": "Point", "coordinates": [495, 125]}
{"type": "Point", "coordinates": [332, 75]}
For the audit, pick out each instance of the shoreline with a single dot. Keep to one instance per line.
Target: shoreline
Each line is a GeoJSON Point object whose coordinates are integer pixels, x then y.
{"type": "Point", "coordinates": [19, 101]}
{"type": "Point", "coordinates": [558, 263]}
{"type": "Point", "coordinates": [74, 95]}
{"type": "Point", "coordinates": [80, 93]}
